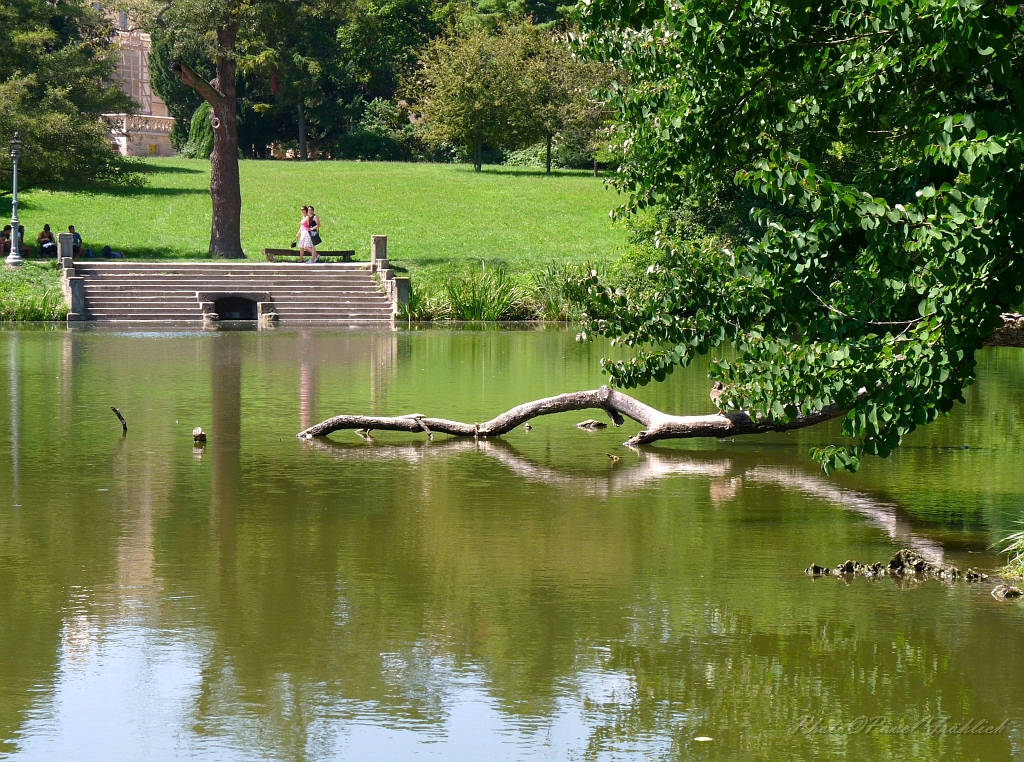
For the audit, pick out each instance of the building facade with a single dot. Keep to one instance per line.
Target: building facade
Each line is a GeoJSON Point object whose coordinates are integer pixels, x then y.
{"type": "Point", "coordinates": [147, 132]}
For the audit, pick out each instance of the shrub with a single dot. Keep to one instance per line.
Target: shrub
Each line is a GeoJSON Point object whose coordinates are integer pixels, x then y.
{"type": "Point", "coordinates": [200, 135]}
{"type": "Point", "coordinates": [47, 305]}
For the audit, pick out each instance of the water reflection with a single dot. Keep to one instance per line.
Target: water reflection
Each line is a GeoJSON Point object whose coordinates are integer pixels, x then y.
{"type": "Point", "coordinates": [643, 467]}
{"type": "Point", "coordinates": [520, 598]}
{"type": "Point", "coordinates": [14, 388]}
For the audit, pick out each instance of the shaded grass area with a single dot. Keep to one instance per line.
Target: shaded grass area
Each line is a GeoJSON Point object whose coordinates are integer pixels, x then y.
{"type": "Point", "coordinates": [31, 292]}
{"type": "Point", "coordinates": [488, 245]}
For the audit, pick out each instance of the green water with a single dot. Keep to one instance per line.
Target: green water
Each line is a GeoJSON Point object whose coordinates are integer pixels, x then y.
{"type": "Point", "coordinates": [528, 598]}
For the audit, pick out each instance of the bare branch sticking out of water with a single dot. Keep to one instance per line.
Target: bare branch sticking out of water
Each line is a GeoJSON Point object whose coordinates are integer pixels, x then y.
{"type": "Point", "coordinates": [124, 423]}
{"type": "Point", "coordinates": [658, 425]}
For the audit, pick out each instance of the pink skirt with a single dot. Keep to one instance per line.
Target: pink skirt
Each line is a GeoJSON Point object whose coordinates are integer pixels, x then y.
{"type": "Point", "coordinates": [306, 241]}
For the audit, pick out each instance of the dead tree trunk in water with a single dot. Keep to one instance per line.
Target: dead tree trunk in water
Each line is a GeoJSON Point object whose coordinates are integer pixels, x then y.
{"type": "Point", "coordinates": [658, 425]}
{"type": "Point", "coordinates": [225, 187]}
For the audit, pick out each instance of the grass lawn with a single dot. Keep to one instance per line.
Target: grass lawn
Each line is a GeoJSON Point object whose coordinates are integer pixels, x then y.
{"type": "Point", "coordinates": [442, 222]}
{"type": "Point", "coordinates": [431, 213]}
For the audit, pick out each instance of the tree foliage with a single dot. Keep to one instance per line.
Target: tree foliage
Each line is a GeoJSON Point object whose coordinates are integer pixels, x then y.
{"type": "Point", "coordinates": [879, 146]}
{"type": "Point", "coordinates": [56, 63]}
{"type": "Point", "coordinates": [478, 88]}
{"type": "Point", "coordinates": [506, 87]}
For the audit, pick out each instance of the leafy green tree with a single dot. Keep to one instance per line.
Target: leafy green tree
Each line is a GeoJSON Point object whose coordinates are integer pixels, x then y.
{"type": "Point", "coordinates": [480, 88]}
{"type": "Point", "coordinates": [880, 146]}
{"type": "Point", "coordinates": [56, 63]}
{"type": "Point", "coordinates": [214, 26]}
{"type": "Point", "coordinates": [565, 102]}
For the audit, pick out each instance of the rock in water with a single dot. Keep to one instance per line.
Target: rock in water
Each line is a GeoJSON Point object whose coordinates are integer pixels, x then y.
{"type": "Point", "coordinates": [818, 571]}
{"type": "Point", "coordinates": [1002, 592]}
{"type": "Point", "coordinates": [908, 562]}
{"type": "Point", "coordinates": [850, 567]}
{"type": "Point", "coordinates": [591, 425]}
{"type": "Point", "coordinates": [198, 435]}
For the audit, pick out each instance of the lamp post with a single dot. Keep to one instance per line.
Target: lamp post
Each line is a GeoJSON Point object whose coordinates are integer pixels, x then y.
{"type": "Point", "coordinates": [14, 258]}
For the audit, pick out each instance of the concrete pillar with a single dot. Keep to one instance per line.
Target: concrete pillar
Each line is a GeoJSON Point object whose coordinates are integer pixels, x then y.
{"type": "Point", "coordinates": [74, 295]}
{"type": "Point", "coordinates": [378, 250]}
{"type": "Point", "coordinates": [65, 247]}
{"type": "Point", "coordinates": [402, 288]}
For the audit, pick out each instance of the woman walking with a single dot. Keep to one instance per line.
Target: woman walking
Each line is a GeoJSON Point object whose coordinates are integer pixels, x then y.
{"type": "Point", "coordinates": [305, 241]}
{"type": "Point", "coordinates": [314, 232]}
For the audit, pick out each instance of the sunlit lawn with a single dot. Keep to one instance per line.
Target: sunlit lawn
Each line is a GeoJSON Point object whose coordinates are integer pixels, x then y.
{"type": "Point", "coordinates": [431, 213]}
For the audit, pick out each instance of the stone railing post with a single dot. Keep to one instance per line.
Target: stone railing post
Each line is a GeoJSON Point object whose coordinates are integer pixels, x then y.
{"type": "Point", "coordinates": [378, 250]}
{"type": "Point", "coordinates": [65, 248]}
{"type": "Point", "coordinates": [71, 285]}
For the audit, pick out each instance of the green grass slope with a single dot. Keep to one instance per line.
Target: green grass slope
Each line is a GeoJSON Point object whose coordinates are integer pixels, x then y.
{"type": "Point", "coordinates": [431, 213]}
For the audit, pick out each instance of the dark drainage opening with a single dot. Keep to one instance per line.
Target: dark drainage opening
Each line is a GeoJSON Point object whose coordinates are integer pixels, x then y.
{"type": "Point", "coordinates": [235, 308]}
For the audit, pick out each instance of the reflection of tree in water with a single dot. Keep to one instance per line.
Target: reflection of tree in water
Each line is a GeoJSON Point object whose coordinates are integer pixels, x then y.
{"type": "Point", "coordinates": [663, 594]}
{"type": "Point", "coordinates": [659, 618]}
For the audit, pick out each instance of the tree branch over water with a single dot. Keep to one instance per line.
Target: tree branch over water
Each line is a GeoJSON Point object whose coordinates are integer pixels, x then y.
{"type": "Point", "coordinates": [617, 405]}
{"type": "Point", "coordinates": [658, 425]}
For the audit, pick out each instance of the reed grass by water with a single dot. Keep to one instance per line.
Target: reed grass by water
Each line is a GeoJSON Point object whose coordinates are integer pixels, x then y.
{"type": "Point", "coordinates": [31, 292]}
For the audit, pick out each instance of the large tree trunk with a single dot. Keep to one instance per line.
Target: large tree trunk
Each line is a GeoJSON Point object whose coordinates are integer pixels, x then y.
{"type": "Point", "coordinates": [479, 153]}
{"type": "Point", "coordinates": [225, 187]}
{"type": "Point", "coordinates": [303, 153]}
{"type": "Point", "coordinates": [548, 160]}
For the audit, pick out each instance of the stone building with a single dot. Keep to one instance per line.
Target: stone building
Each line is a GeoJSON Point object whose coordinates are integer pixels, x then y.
{"type": "Point", "coordinates": [146, 133]}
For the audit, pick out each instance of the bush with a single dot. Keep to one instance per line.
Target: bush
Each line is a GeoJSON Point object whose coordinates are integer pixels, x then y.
{"type": "Point", "coordinates": [32, 292]}
{"type": "Point", "coordinates": [1014, 548]}
{"type": "Point", "coordinates": [384, 133]}
{"type": "Point", "coordinates": [200, 135]}
{"type": "Point", "coordinates": [565, 154]}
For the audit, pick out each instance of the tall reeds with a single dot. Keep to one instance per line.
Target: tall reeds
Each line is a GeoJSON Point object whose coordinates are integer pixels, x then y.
{"type": "Point", "coordinates": [47, 305]}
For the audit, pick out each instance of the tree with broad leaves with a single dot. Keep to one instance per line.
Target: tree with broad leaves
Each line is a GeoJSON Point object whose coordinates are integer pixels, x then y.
{"type": "Point", "coordinates": [56, 67]}
{"type": "Point", "coordinates": [479, 88]}
{"type": "Point", "coordinates": [879, 148]}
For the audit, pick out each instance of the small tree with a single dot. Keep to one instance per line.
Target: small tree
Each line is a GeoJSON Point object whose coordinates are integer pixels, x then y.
{"type": "Point", "coordinates": [565, 100]}
{"type": "Point", "coordinates": [480, 89]}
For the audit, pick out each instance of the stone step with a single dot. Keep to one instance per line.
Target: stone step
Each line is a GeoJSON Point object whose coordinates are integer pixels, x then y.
{"type": "Point", "coordinates": [158, 292]}
{"type": "Point", "coordinates": [85, 264]}
{"type": "Point", "coordinates": [291, 272]}
{"type": "Point", "coordinates": [132, 280]}
{"type": "Point", "coordinates": [192, 290]}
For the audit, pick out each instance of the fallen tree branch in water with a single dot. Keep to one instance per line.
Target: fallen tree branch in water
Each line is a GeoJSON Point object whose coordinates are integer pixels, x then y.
{"type": "Point", "coordinates": [1010, 334]}
{"type": "Point", "coordinates": [658, 425]}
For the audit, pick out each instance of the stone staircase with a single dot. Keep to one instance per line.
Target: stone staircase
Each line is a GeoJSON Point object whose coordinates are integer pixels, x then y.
{"type": "Point", "coordinates": [140, 292]}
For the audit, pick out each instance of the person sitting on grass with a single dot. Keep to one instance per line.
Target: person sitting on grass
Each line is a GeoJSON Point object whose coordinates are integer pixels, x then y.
{"type": "Point", "coordinates": [76, 242]}
{"type": "Point", "coordinates": [22, 248]}
{"type": "Point", "coordinates": [47, 243]}
{"type": "Point", "coordinates": [5, 240]}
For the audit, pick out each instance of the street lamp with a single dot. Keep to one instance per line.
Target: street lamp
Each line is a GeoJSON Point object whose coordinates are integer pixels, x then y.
{"type": "Point", "coordinates": [14, 258]}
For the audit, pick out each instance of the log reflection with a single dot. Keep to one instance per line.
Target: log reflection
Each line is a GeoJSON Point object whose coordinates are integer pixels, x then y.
{"type": "Point", "coordinates": [641, 468]}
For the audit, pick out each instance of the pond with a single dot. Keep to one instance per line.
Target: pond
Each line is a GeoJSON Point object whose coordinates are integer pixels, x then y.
{"type": "Point", "coordinates": [516, 599]}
